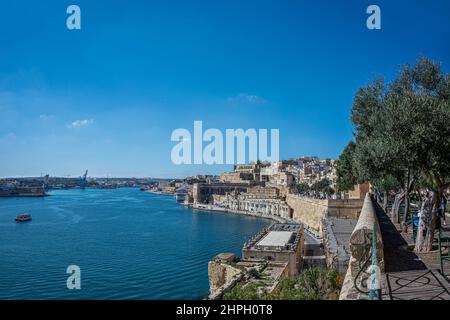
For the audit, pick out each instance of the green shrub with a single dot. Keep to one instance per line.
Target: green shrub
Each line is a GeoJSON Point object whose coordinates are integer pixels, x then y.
{"type": "Point", "coordinates": [251, 291]}
{"type": "Point", "coordinates": [254, 273]}
{"type": "Point", "coordinates": [311, 284]}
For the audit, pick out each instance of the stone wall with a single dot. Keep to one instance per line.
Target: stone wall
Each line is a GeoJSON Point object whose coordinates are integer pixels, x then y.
{"type": "Point", "coordinates": [311, 212]}
{"type": "Point", "coordinates": [221, 276]}
{"type": "Point", "coordinates": [308, 211]}
{"type": "Point", "coordinates": [202, 192]}
{"type": "Point", "coordinates": [366, 223]}
{"type": "Point", "coordinates": [345, 208]}
{"type": "Point", "coordinates": [359, 191]}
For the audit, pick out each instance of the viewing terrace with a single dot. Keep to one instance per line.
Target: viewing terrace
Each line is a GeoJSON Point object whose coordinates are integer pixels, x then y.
{"type": "Point", "coordinates": [404, 275]}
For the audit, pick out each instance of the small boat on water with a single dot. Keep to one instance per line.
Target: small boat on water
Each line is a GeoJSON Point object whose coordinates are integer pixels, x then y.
{"type": "Point", "coordinates": [23, 217]}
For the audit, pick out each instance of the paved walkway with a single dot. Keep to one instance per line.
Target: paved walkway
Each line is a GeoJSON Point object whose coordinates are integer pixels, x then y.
{"type": "Point", "coordinates": [407, 276]}
{"type": "Point", "coordinates": [415, 285]}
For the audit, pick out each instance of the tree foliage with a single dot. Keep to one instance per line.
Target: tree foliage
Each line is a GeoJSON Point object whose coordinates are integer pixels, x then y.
{"type": "Point", "coordinates": [345, 171]}
{"type": "Point", "coordinates": [302, 188]}
{"type": "Point", "coordinates": [323, 187]}
{"type": "Point", "coordinates": [402, 134]}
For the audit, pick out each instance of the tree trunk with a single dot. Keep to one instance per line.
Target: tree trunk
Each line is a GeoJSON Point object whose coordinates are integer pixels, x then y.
{"type": "Point", "coordinates": [408, 187]}
{"type": "Point", "coordinates": [385, 201]}
{"type": "Point", "coordinates": [427, 223]}
{"type": "Point", "coordinates": [377, 195]}
{"type": "Point", "coordinates": [406, 212]}
{"type": "Point", "coordinates": [396, 205]}
{"type": "Point", "coordinates": [399, 197]}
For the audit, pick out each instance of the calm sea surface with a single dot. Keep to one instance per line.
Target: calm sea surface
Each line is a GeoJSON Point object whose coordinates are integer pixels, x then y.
{"type": "Point", "coordinates": [129, 244]}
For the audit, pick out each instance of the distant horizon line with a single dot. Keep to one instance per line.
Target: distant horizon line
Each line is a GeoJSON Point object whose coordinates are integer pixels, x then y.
{"type": "Point", "coordinates": [41, 175]}
{"type": "Point", "coordinates": [99, 177]}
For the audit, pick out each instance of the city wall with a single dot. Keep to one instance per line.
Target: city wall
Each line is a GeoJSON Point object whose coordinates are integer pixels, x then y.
{"type": "Point", "coordinates": [310, 212]}
{"type": "Point", "coordinates": [345, 208]}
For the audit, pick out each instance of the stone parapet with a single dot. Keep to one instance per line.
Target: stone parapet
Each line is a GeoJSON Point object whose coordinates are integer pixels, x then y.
{"type": "Point", "coordinates": [361, 251]}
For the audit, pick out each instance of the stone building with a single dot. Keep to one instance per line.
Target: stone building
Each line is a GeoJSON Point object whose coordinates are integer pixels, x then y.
{"type": "Point", "coordinates": [279, 243]}
{"type": "Point", "coordinates": [274, 207]}
{"type": "Point", "coordinates": [281, 179]}
{"type": "Point", "coordinates": [236, 177]}
{"type": "Point", "coordinates": [242, 173]}
{"type": "Point", "coordinates": [262, 192]}
{"type": "Point", "coordinates": [203, 192]}
{"type": "Point", "coordinates": [359, 191]}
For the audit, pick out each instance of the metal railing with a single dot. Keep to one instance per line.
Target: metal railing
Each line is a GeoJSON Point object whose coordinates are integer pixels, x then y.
{"type": "Point", "coordinates": [368, 268]}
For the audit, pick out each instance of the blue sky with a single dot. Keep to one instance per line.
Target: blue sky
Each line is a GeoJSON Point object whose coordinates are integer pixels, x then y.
{"type": "Point", "coordinates": [107, 97]}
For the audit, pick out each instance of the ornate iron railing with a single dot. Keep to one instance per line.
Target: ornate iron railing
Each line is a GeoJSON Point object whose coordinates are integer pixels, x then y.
{"type": "Point", "coordinates": [368, 269]}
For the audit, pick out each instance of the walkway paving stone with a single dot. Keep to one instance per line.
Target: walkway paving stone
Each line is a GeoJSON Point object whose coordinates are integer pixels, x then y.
{"type": "Point", "coordinates": [407, 276]}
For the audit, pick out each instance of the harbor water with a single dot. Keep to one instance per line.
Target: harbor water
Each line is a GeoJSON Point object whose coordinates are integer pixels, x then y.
{"type": "Point", "coordinates": [128, 244]}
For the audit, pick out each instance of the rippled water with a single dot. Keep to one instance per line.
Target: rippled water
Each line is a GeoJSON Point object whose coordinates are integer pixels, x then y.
{"type": "Point", "coordinates": [129, 244]}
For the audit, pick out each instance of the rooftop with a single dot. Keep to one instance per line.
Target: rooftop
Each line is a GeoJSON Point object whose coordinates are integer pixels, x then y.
{"type": "Point", "coordinates": [275, 239]}
{"type": "Point", "coordinates": [225, 256]}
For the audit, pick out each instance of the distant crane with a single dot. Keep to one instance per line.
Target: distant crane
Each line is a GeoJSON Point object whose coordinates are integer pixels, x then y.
{"type": "Point", "coordinates": [83, 180]}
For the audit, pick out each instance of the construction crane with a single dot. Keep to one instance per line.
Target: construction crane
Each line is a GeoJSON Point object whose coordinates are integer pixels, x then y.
{"type": "Point", "coordinates": [83, 180]}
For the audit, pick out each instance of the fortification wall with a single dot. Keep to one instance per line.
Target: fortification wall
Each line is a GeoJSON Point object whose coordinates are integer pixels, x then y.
{"type": "Point", "coordinates": [310, 211]}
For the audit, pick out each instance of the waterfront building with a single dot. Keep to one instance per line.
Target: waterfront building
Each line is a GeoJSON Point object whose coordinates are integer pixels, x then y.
{"type": "Point", "coordinates": [257, 199]}
{"type": "Point", "coordinates": [203, 193]}
{"type": "Point", "coordinates": [182, 193]}
{"type": "Point", "coordinates": [273, 207]}
{"type": "Point", "coordinates": [261, 188]}
{"type": "Point", "coordinates": [281, 243]}
{"type": "Point", "coordinates": [262, 192]}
